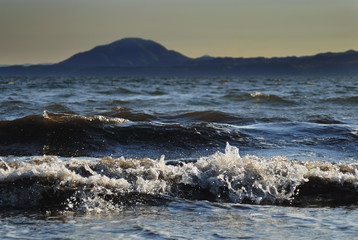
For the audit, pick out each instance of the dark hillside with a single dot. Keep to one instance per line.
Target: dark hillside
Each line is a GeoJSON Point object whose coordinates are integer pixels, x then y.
{"type": "Point", "coordinates": [128, 52]}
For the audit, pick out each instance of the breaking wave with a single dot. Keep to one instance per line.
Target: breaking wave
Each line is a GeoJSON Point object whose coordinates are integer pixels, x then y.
{"type": "Point", "coordinates": [50, 182]}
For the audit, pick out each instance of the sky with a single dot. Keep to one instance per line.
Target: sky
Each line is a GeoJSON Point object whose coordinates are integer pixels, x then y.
{"type": "Point", "coordinates": [49, 31]}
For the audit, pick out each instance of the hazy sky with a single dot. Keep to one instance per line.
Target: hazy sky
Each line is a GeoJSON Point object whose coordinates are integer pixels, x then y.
{"type": "Point", "coordinates": [41, 31]}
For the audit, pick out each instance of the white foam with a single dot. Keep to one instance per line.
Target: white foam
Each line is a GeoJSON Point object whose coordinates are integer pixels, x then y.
{"type": "Point", "coordinates": [258, 94]}
{"type": "Point", "coordinates": [100, 118]}
{"type": "Point", "coordinates": [244, 178]}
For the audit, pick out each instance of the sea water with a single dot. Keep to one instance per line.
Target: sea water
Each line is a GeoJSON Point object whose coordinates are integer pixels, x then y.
{"type": "Point", "coordinates": [178, 157]}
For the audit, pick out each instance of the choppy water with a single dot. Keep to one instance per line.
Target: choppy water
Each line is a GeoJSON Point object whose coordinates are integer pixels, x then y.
{"type": "Point", "coordinates": [178, 158]}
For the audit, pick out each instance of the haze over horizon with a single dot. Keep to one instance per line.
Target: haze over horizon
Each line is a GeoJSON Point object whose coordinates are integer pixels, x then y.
{"type": "Point", "coordinates": [41, 31]}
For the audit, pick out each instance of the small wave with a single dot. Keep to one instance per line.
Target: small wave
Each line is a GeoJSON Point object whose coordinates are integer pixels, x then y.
{"type": "Point", "coordinates": [77, 135]}
{"type": "Point", "coordinates": [59, 134]}
{"type": "Point", "coordinates": [194, 116]}
{"type": "Point", "coordinates": [96, 118]}
{"type": "Point", "coordinates": [210, 116]}
{"type": "Point", "coordinates": [344, 100]}
{"type": "Point", "coordinates": [354, 132]}
{"type": "Point", "coordinates": [323, 119]}
{"type": "Point", "coordinates": [157, 93]}
{"type": "Point", "coordinates": [125, 90]}
{"type": "Point", "coordinates": [127, 113]}
{"type": "Point", "coordinates": [110, 183]}
{"type": "Point", "coordinates": [12, 105]}
{"type": "Point", "coordinates": [259, 97]}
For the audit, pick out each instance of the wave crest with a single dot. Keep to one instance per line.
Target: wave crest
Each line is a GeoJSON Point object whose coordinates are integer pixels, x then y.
{"type": "Point", "coordinates": [109, 183]}
{"type": "Point", "coordinates": [261, 98]}
{"type": "Point", "coordinates": [96, 118]}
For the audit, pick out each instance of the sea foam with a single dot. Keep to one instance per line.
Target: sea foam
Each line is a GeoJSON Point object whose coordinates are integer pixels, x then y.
{"type": "Point", "coordinates": [107, 183]}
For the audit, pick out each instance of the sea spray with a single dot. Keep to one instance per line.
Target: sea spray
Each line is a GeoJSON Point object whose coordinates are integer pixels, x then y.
{"type": "Point", "coordinates": [96, 185]}
{"type": "Point", "coordinates": [250, 179]}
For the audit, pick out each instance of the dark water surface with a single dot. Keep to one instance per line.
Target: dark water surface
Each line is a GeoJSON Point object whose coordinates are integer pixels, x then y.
{"type": "Point", "coordinates": [178, 158]}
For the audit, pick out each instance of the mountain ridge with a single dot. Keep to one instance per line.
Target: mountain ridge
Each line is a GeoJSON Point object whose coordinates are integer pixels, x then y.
{"type": "Point", "coordinates": [127, 52]}
{"type": "Point", "coordinates": [136, 56]}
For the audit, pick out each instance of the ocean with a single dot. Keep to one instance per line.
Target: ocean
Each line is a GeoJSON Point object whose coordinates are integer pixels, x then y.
{"type": "Point", "coordinates": [179, 157]}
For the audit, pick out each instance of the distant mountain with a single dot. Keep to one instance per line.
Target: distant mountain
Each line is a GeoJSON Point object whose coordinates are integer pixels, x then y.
{"type": "Point", "coordinates": [322, 64]}
{"type": "Point", "coordinates": [128, 52]}
{"type": "Point", "coordinates": [204, 58]}
{"type": "Point", "coordinates": [135, 56]}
